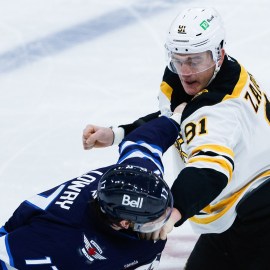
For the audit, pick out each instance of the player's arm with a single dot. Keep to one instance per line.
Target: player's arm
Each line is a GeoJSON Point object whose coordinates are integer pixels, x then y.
{"type": "Point", "coordinates": [139, 122]}
{"type": "Point", "coordinates": [209, 166]}
{"type": "Point", "coordinates": [151, 140]}
{"type": "Point", "coordinates": [96, 136]}
{"type": "Point", "coordinates": [171, 94]}
{"type": "Point", "coordinates": [210, 159]}
{"type": "Point", "coordinates": [194, 189]}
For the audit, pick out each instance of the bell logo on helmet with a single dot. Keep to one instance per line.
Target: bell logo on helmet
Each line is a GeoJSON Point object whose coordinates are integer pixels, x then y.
{"type": "Point", "coordinates": [182, 29]}
{"type": "Point", "coordinates": [135, 194]}
{"type": "Point", "coordinates": [133, 203]}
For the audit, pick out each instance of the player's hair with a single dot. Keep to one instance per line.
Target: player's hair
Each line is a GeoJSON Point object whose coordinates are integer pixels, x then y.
{"type": "Point", "coordinates": [103, 217]}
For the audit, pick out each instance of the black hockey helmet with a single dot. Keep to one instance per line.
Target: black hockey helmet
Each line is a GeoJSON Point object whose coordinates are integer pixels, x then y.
{"type": "Point", "coordinates": [135, 194]}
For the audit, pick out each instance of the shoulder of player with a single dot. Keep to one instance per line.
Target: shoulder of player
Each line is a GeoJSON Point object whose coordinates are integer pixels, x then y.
{"type": "Point", "coordinates": [229, 84]}
{"type": "Point", "coordinates": [71, 193]}
{"type": "Point", "coordinates": [87, 181]}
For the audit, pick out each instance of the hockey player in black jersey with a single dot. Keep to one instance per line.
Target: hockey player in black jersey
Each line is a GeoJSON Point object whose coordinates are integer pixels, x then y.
{"type": "Point", "coordinates": [224, 186]}
{"type": "Point", "coordinates": [100, 219]}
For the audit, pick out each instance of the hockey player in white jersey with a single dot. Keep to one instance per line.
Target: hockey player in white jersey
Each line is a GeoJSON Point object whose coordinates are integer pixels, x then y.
{"type": "Point", "coordinates": [224, 140]}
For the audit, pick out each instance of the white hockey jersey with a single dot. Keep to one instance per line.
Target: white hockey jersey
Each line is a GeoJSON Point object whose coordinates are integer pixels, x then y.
{"type": "Point", "coordinates": [229, 134]}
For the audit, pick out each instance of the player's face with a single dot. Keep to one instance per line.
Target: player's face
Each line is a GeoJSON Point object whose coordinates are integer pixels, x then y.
{"type": "Point", "coordinates": [123, 224]}
{"type": "Point", "coordinates": [194, 70]}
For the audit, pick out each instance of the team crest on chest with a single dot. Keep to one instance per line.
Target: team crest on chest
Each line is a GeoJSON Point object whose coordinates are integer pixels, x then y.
{"type": "Point", "coordinates": [91, 250]}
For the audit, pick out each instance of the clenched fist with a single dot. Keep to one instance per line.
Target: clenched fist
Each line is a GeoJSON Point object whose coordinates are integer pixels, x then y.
{"type": "Point", "coordinates": [95, 136]}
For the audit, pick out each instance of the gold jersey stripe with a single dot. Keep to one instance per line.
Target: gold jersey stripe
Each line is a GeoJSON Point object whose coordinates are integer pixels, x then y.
{"type": "Point", "coordinates": [213, 147]}
{"type": "Point", "coordinates": [225, 164]}
{"type": "Point", "coordinates": [224, 206]}
{"type": "Point", "coordinates": [239, 85]}
{"type": "Point", "coordinates": [166, 90]}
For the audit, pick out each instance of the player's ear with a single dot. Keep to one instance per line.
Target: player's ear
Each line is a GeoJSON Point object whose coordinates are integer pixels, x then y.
{"type": "Point", "coordinates": [222, 55]}
{"type": "Point", "coordinates": [124, 224]}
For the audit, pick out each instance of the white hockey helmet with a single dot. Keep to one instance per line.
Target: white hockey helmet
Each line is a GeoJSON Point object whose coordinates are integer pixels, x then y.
{"type": "Point", "coordinates": [196, 30]}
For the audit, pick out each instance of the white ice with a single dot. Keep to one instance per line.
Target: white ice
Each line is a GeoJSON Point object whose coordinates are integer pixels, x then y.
{"type": "Point", "coordinates": [67, 63]}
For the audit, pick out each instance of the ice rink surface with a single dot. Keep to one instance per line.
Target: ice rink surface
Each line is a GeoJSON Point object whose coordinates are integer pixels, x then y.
{"type": "Point", "coordinates": [67, 63]}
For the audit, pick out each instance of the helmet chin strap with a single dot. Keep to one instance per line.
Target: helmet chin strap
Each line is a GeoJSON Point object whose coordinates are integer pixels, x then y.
{"type": "Point", "coordinates": [217, 68]}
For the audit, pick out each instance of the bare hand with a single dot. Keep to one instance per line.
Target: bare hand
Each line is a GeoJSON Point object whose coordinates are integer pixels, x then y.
{"type": "Point", "coordinates": [95, 136]}
{"type": "Point", "coordinates": [165, 229]}
{"type": "Point", "coordinates": [180, 108]}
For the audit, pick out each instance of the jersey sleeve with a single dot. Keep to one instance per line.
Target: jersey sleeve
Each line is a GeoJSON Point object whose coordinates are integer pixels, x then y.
{"type": "Point", "coordinates": [137, 123]}
{"type": "Point", "coordinates": [149, 142]}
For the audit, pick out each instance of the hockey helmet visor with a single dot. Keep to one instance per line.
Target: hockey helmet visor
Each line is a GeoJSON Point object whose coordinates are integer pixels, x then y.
{"type": "Point", "coordinates": [153, 225]}
{"type": "Point", "coordinates": [189, 64]}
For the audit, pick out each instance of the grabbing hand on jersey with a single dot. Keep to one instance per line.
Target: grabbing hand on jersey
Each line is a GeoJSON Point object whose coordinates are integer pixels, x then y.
{"type": "Point", "coordinates": [165, 229]}
{"type": "Point", "coordinates": [180, 108]}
